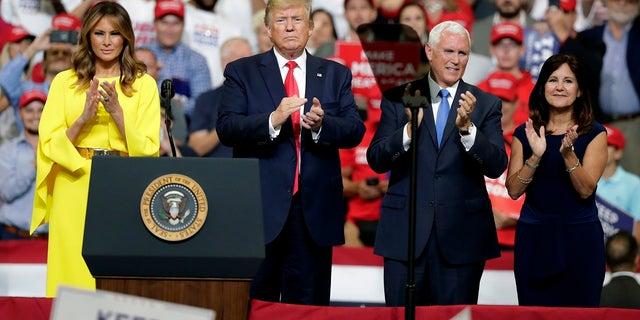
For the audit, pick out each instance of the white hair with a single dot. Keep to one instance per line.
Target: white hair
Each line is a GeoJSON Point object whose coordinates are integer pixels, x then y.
{"type": "Point", "coordinates": [446, 26]}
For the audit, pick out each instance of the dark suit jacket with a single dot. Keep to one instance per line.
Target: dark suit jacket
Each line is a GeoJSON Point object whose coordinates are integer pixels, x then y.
{"type": "Point", "coordinates": [589, 48]}
{"type": "Point", "coordinates": [621, 292]}
{"type": "Point", "coordinates": [451, 191]}
{"type": "Point", "coordinates": [252, 90]}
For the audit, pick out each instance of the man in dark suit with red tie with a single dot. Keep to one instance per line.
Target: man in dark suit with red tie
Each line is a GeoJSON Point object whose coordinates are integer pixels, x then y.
{"type": "Point", "coordinates": [455, 231]}
{"type": "Point", "coordinates": [299, 163]}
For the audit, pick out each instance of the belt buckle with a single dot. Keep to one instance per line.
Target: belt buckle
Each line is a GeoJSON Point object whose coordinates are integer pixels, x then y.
{"type": "Point", "coordinates": [89, 153]}
{"type": "Point", "coordinates": [99, 152]}
{"type": "Point", "coordinates": [104, 152]}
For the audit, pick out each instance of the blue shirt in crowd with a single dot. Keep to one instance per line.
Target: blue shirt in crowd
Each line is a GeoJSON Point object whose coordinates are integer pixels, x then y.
{"type": "Point", "coordinates": [17, 184]}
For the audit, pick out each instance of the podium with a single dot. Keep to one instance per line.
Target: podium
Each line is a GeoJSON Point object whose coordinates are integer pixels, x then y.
{"type": "Point", "coordinates": [204, 257]}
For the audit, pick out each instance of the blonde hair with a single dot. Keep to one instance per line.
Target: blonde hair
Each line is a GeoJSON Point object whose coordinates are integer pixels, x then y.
{"type": "Point", "coordinates": [282, 4]}
{"type": "Point", "coordinates": [83, 60]}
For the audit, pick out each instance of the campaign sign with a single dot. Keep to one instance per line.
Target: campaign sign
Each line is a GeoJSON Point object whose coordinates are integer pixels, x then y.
{"type": "Point", "coordinates": [379, 66]}
{"type": "Point", "coordinates": [538, 48]}
{"type": "Point", "coordinates": [613, 219]}
{"type": "Point", "coordinates": [384, 64]}
{"type": "Point", "coordinates": [79, 304]}
{"type": "Point", "coordinates": [363, 82]}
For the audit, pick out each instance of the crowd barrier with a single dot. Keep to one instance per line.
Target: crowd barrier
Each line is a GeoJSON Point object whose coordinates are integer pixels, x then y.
{"type": "Point", "coordinates": [22, 308]}
{"type": "Point", "coordinates": [356, 291]}
{"type": "Point", "coordinates": [261, 310]}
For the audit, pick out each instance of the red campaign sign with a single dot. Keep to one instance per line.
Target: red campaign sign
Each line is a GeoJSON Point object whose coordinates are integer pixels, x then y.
{"type": "Point", "coordinates": [385, 64]}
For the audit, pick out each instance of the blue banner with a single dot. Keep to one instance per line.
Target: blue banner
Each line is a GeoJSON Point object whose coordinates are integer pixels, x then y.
{"type": "Point", "coordinates": [613, 219]}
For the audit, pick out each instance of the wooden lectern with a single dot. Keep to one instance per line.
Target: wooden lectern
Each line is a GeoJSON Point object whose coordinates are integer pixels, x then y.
{"type": "Point", "coordinates": [211, 267]}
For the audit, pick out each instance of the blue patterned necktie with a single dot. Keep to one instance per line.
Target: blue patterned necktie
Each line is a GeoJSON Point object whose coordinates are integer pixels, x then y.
{"type": "Point", "coordinates": [443, 113]}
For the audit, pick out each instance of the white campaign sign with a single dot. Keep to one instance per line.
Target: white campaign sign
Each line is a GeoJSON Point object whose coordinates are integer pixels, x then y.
{"type": "Point", "coordinates": [79, 304]}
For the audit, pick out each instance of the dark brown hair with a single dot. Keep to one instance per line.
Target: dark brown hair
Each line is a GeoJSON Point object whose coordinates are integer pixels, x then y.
{"type": "Point", "coordinates": [538, 104]}
{"type": "Point", "coordinates": [84, 59]}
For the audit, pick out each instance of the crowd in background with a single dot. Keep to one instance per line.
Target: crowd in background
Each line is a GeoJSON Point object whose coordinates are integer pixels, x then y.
{"type": "Point", "coordinates": [191, 42]}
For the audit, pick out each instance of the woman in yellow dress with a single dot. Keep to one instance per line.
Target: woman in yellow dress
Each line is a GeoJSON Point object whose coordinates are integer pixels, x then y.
{"type": "Point", "coordinates": [105, 104]}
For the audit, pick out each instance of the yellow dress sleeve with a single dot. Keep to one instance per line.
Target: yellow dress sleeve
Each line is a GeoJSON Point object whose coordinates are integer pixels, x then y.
{"type": "Point", "coordinates": [54, 147]}
{"type": "Point", "coordinates": [143, 129]}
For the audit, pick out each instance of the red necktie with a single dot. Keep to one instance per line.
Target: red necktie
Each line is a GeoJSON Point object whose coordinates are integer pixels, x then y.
{"type": "Point", "coordinates": [291, 87]}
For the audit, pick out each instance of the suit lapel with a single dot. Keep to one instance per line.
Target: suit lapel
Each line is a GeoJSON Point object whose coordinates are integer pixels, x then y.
{"type": "Point", "coordinates": [453, 112]}
{"type": "Point", "coordinates": [313, 88]}
{"type": "Point", "coordinates": [428, 121]}
{"type": "Point", "coordinates": [270, 73]}
{"type": "Point", "coordinates": [315, 76]}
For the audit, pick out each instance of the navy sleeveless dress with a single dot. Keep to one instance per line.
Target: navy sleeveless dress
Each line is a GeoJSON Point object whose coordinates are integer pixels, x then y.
{"type": "Point", "coordinates": [559, 257]}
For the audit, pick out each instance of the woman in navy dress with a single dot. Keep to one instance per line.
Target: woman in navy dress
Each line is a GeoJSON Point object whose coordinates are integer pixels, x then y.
{"type": "Point", "coordinates": [557, 157]}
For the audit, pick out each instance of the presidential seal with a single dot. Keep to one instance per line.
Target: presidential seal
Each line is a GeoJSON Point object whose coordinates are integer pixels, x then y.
{"type": "Point", "coordinates": [173, 207]}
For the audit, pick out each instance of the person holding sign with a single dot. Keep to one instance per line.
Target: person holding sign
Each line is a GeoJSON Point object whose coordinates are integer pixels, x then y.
{"type": "Point", "coordinates": [617, 185]}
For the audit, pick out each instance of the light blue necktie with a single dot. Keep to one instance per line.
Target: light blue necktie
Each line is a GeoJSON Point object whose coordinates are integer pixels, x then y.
{"type": "Point", "coordinates": [443, 113]}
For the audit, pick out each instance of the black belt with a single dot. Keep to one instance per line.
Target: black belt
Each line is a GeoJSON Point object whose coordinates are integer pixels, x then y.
{"type": "Point", "coordinates": [628, 116]}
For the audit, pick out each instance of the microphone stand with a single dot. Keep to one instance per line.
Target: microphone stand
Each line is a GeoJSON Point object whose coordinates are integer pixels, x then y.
{"type": "Point", "coordinates": [414, 104]}
{"type": "Point", "coordinates": [168, 120]}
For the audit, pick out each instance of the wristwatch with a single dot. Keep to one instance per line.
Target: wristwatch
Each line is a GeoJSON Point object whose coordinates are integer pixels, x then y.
{"type": "Point", "coordinates": [468, 131]}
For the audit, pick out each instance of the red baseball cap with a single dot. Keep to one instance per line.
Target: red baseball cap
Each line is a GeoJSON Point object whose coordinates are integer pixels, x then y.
{"type": "Point", "coordinates": [507, 30]}
{"type": "Point", "coordinates": [503, 85]}
{"type": "Point", "coordinates": [165, 7]}
{"type": "Point", "coordinates": [30, 96]}
{"type": "Point", "coordinates": [37, 74]}
{"type": "Point", "coordinates": [615, 137]}
{"type": "Point", "coordinates": [568, 5]}
{"type": "Point", "coordinates": [65, 21]}
{"type": "Point", "coordinates": [18, 33]}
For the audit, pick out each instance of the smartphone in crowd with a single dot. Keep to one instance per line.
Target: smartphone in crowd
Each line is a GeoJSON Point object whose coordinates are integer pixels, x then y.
{"type": "Point", "coordinates": [64, 36]}
{"type": "Point", "coordinates": [372, 181]}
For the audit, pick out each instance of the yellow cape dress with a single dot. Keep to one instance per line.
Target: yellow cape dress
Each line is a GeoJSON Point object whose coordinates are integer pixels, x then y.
{"type": "Point", "coordinates": [62, 178]}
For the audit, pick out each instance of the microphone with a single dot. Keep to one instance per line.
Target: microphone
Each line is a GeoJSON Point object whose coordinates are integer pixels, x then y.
{"type": "Point", "coordinates": [166, 94]}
